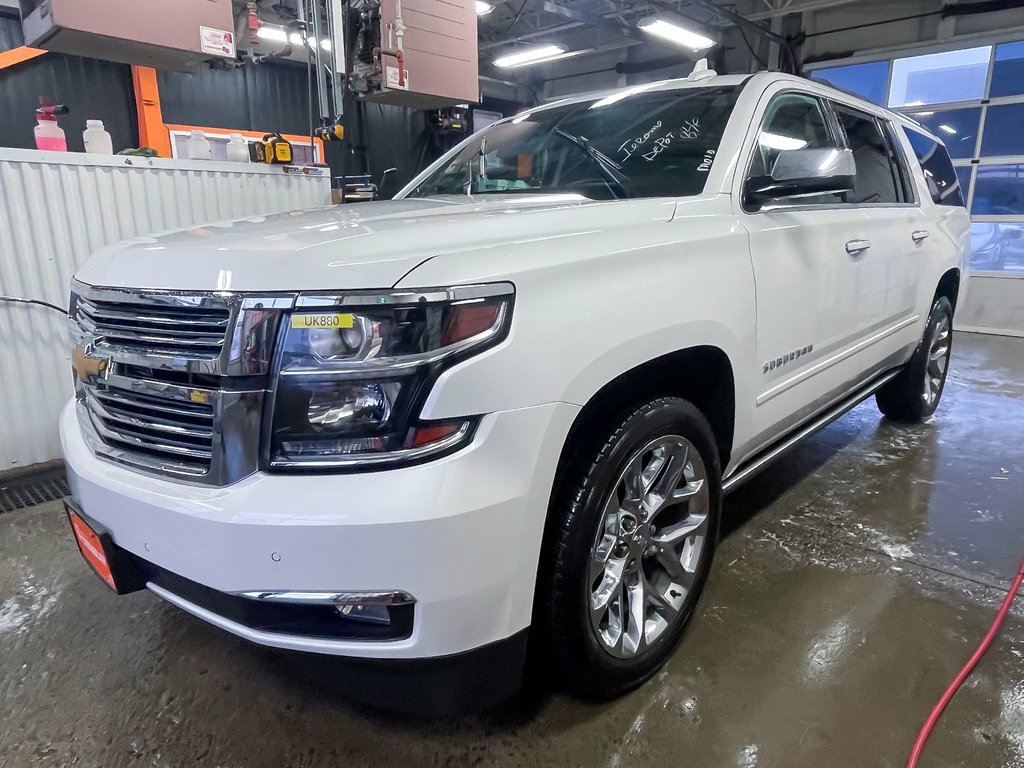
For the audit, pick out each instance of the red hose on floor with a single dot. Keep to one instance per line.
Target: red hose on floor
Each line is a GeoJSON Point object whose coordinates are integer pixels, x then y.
{"type": "Point", "coordinates": [933, 718]}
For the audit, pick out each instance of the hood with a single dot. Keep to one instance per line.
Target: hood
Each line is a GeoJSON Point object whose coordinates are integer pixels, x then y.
{"type": "Point", "coordinates": [360, 245]}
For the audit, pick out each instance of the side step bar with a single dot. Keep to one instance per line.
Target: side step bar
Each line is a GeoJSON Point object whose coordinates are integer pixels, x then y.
{"type": "Point", "coordinates": [761, 460]}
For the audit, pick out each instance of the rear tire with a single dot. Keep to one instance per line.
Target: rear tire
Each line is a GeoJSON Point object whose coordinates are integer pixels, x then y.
{"type": "Point", "coordinates": [629, 545]}
{"type": "Point", "coordinates": [914, 394]}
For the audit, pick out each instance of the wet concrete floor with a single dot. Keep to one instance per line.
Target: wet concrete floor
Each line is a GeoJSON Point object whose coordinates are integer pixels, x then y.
{"type": "Point", "coordinates": [855, 577]}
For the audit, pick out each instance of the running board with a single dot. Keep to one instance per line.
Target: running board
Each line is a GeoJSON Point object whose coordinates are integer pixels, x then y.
{"type": "Point", "coordinates": [750, 468]}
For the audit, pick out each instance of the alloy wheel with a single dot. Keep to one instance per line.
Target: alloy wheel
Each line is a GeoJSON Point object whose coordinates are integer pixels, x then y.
{"type": "Point", "coordinates": [938, 360]}
{"type": "Point", "coordinates": [649, 546]}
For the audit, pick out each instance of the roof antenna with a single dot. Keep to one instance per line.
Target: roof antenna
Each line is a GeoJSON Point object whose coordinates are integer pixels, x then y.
{"type": "Point", "coordinates": [701, 71]}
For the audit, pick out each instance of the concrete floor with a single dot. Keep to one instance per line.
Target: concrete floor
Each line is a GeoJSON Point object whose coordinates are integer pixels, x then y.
{"type": "Point", "coordinates": [855, 578]}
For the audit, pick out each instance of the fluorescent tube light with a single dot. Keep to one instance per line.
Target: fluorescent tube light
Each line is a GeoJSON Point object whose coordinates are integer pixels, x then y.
{"type": "Point", "coordinates": [530, 56]}
{"type": "Point", "coordinates": [276, 34]}
{"type": "Point", "coordinates": [948, 129]}
{"type": "Point", "coordinates": [482, 8]}
{"type": "Point", "coordinates": [674, 33]}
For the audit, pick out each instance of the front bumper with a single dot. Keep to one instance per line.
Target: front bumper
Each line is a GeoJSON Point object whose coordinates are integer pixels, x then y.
{"type": "Point", "coordinates": [461, 534]}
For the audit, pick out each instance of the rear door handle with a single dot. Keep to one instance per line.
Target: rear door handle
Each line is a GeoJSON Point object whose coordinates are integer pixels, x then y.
{"type": "Point", "coordinates": [857, 246]}
{"type": "Point", "coordinates": [919, 235]}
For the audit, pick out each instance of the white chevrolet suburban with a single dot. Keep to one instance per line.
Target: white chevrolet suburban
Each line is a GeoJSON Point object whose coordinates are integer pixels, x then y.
{"type": "Point", "coordinates": [506, 405]}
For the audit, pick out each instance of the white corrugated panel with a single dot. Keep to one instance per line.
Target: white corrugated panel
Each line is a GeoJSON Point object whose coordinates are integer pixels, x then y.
{"type": "Point", "coordinates": [56, 209]}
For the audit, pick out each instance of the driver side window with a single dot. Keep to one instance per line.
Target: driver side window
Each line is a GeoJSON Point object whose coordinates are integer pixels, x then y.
{"type": "Point", "coordinates": [792, 121]}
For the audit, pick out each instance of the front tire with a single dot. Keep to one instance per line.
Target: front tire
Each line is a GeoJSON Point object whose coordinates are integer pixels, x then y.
{"type": "Point", "coordinates": [915, 393]}
{"type": "Point", "coordinates": [630, 543]}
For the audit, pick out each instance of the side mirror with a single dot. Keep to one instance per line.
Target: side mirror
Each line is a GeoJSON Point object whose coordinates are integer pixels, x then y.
{"type": "Point", "coordinates": [804, 172]}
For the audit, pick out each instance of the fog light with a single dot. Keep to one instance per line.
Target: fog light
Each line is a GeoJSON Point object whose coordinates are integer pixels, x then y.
{"type": "Point", "coordinates": [372, 614]}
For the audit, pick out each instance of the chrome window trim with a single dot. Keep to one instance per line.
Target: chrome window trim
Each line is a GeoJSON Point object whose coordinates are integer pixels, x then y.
{"type": "Point", "coordinates": [825, 102]}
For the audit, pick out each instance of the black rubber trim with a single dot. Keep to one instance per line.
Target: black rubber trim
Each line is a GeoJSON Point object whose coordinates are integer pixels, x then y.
{"type": "Point", "coordinates": [442, 685]}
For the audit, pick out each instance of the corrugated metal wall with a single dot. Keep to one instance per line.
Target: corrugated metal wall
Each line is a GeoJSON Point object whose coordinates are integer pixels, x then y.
{"type": "Point", "coordinates": [54, 212]}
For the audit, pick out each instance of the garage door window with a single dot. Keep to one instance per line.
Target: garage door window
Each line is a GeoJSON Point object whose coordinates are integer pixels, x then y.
{"type": "Point", "coordinates": [1008, 70]}
{"type": "Point", "coordinates": [999, 191]}
{"type": "Point", "coordinates": [1004, 131]}
{"type": "Point", "coordinates": [940, 78]}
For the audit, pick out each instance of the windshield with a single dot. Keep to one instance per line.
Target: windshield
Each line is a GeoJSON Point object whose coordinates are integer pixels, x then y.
{"type": "Point", "coordinates": [630, 144]}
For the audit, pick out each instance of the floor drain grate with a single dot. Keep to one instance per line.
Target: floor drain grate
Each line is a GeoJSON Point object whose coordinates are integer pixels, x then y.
{"type": "Point", "coordinates": [33, 489]}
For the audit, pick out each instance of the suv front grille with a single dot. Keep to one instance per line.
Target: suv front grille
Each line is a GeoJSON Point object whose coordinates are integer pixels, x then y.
{"type": "Point", "coordinates": [172, 383]}
{"type": "Point", "coordinates": [167, 330]}
{"type": "Point", "coordinates": [174, 433]}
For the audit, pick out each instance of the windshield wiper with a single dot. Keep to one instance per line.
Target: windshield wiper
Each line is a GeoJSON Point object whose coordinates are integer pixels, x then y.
{"type": "Point", "coordinates": [609, 168]}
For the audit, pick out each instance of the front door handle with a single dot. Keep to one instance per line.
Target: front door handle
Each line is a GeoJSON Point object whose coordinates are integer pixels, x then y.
{"type": "Point", "coordinates": [919, 235]}
{"type": "Point", "coordinates": [855, 247]}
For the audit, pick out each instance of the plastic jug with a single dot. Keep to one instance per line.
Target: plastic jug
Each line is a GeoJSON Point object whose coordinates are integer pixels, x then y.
{"type": "Point", "coordinates": [97, 140]}
{"type": "Point", "coordinates": [238, 150]}
{"type": "Point", "coordinates": [199, 146]}
{"type": "Point", "coordinates": [49, 135]}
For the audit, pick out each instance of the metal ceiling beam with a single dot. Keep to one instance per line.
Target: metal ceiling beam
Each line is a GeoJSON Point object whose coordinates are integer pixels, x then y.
{"type": "Point", "coordinates": [639, 9]}
{"type": "Point", "coordinates": [593, 20]}
{"type": "Point", "coordinates": [814, 5]}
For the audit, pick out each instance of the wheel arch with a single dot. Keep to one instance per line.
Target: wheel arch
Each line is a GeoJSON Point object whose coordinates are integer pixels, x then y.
{"type": "Point", "coordinates": [701, 374]}
{"type": "Point", "coordinates": [949, 286]}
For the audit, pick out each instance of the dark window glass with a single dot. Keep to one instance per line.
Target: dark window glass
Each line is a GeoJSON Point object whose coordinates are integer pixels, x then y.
{"type": "Point", "coordinates": [1004, 131]}
{"type": "Point", "coordinates": [958, 128]}
{"type": "Point", "coordinates": [941, 177]}
{"type": "Point", "coordinates": [877, 179]}
{"type": "Point", "coordinates": [997, 247]}
{"type": "Point", "coordinates": [644, 143]}
{"type": "Point", "coordinates": [792, 121]}
{"type": "Point", "coordinates": [999, 190]}
{"type": "Point", "coordinates": [1008, 71]}
{"type": "Point", "coordinates": [963, 173]}
{"type": "Point", "coordinates": [866, 80]}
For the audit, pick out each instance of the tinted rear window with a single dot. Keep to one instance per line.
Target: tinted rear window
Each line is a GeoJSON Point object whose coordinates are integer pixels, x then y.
{"type": "Point", "coordinates": [943, 183]}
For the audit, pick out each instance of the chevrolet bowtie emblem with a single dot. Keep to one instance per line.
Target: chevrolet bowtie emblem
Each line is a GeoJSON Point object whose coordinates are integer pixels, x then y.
{"type": "Point", "coordinates": [86, 365]}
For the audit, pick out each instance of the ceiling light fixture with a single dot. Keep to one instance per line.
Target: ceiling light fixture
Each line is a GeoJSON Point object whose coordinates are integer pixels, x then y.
{"type": "Point", "coordinates": [948, 129]}
{"type": "Point", "coordinates": [276, 34]}
{"type": "Point", "coordinates": [482, 8]}
{"type": "Point", "coordinates": [675, 33]}
{"type": "Point", "coordinates": [530, 56]}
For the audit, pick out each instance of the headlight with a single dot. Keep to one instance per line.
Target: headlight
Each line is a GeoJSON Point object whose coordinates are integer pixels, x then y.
{"type": "Point", "coordinates": [354, 370]}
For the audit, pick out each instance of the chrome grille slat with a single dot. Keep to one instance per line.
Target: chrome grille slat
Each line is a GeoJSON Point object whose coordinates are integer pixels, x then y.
{"type": "Point", "coordinates": [117, 415]}
{"type": "Point", "coordinates": [150, 315]}
{"type": "Point", "coordinates": [210, 335]}
{"type": "Point", "coordinates": [179, 330]}
{"type": "Point", "coordinates": [167, 408]}
{"type": "Point", "coordinates": [119, 436]}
